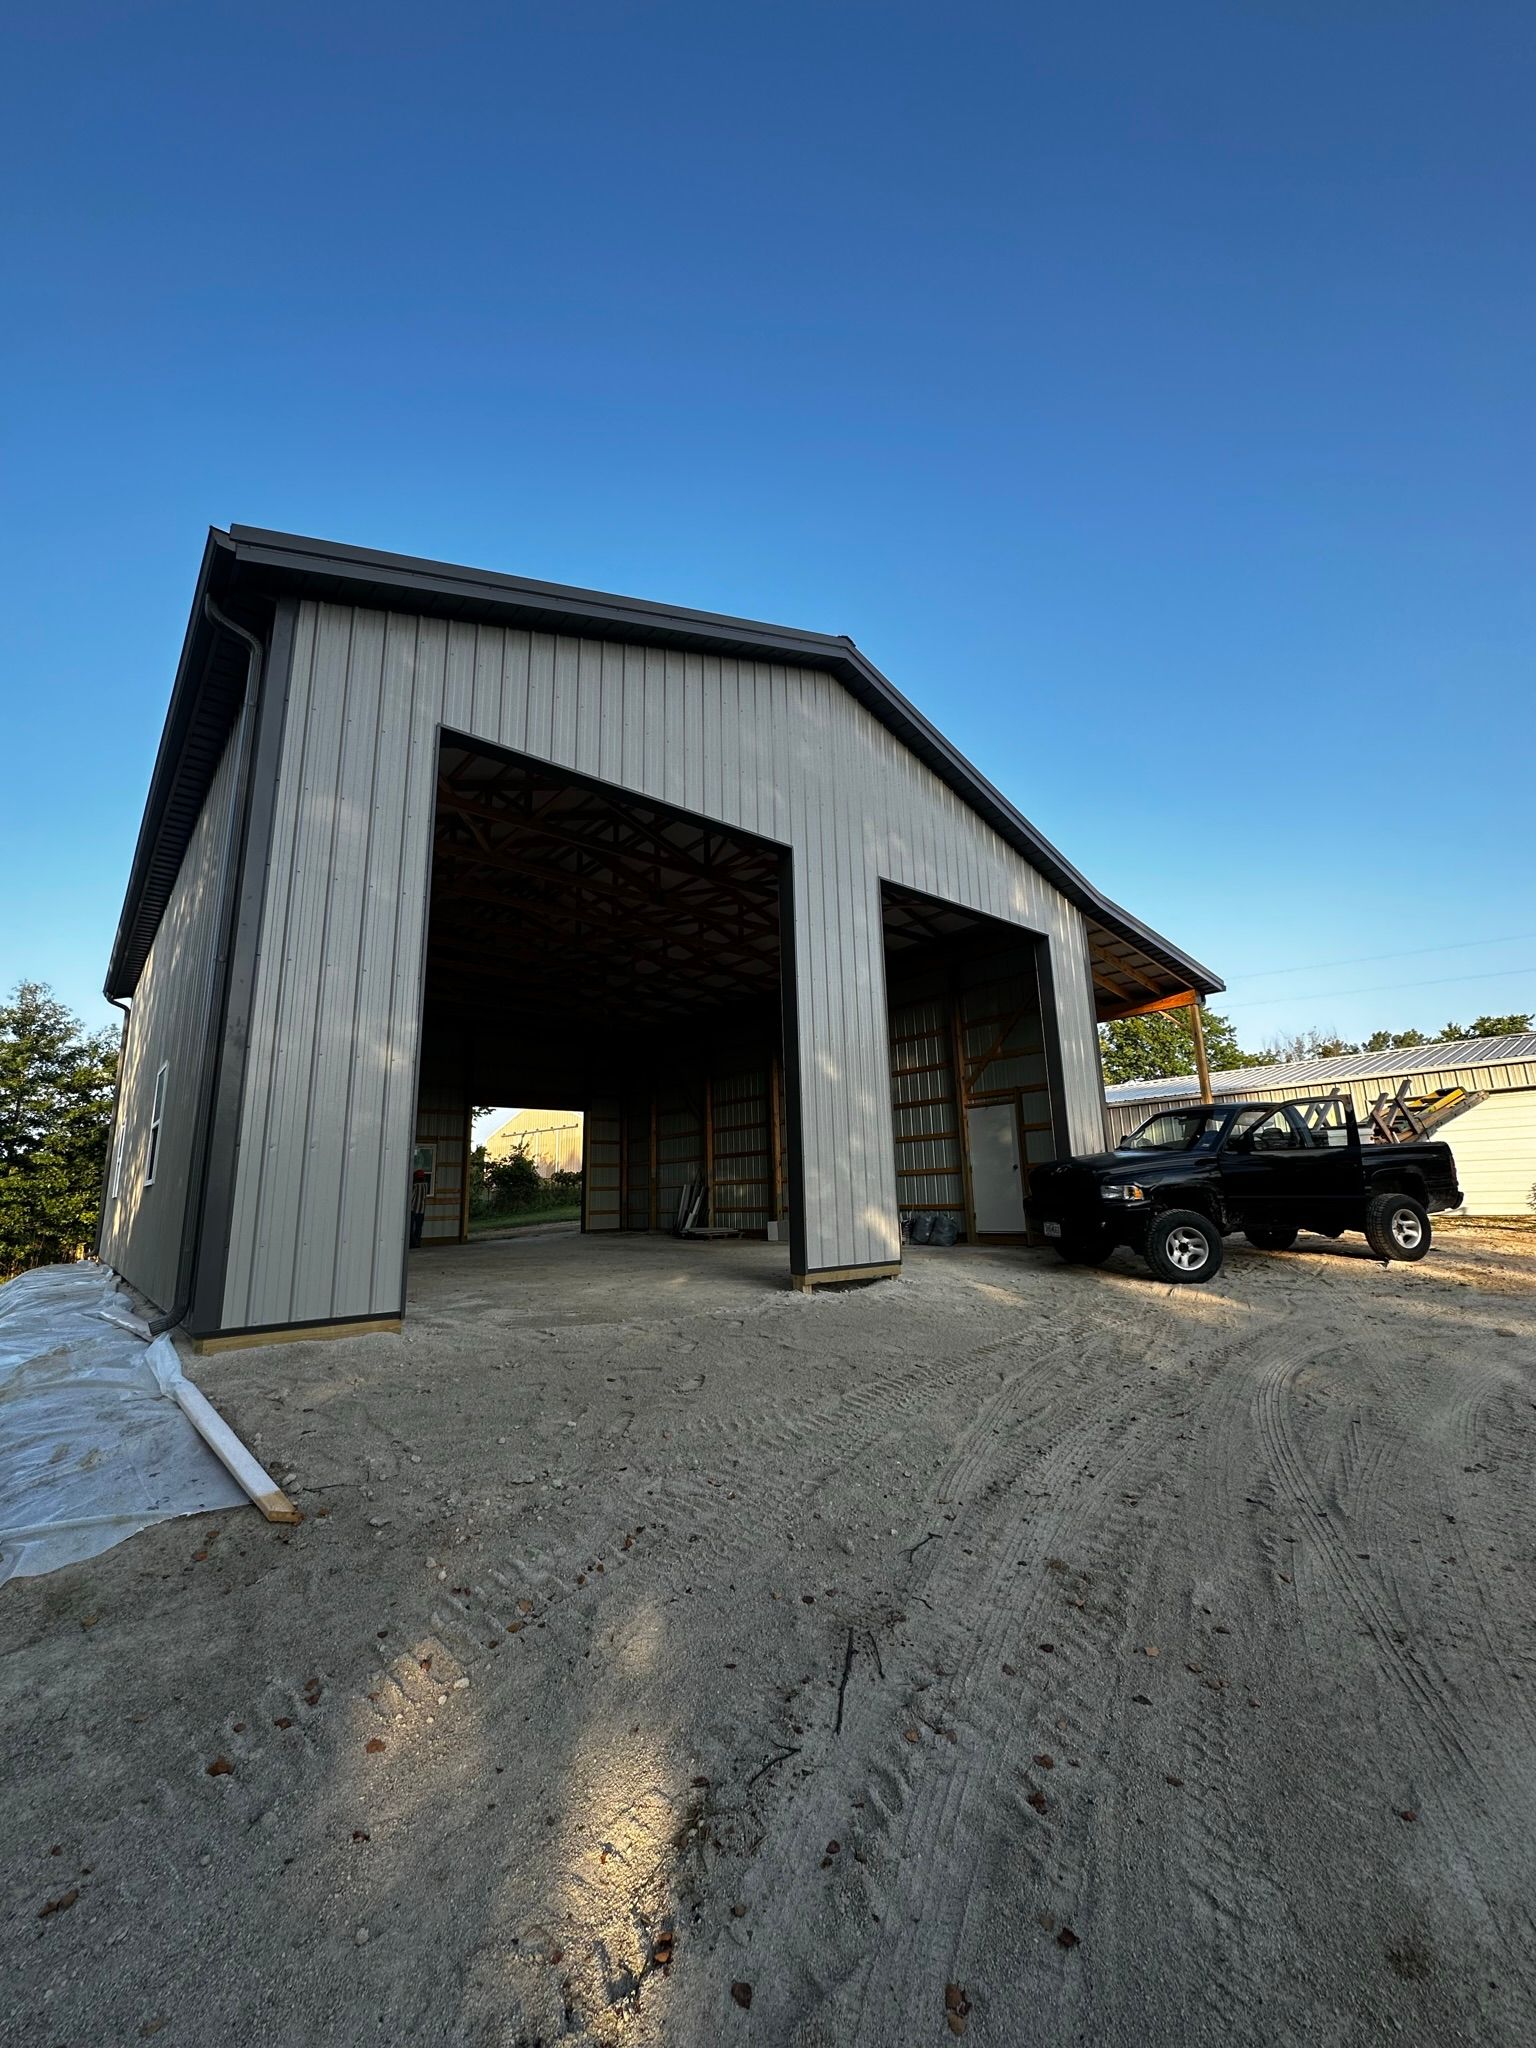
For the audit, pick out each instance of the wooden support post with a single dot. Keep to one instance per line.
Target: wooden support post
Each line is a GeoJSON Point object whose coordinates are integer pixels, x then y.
{"type": "Point", "coordinates": [469, 1132]}
{"type": "Point", "coordinates": [1202, 1067]}
{"type": "Point", "coordinates": [963, 1136]}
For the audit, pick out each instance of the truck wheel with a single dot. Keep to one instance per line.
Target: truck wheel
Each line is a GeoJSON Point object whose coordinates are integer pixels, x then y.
{"type": "Point", "coordinates": [1271, 1237]}
{"type": "Point", "coordinates": [1397, 1227]}
{"type": "Point", "coordinates": [1087, 1248]}
{"type": "Point", "coordinates": [1183, 1246]}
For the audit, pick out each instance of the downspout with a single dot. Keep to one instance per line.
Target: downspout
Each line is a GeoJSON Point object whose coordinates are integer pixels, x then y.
{"type": "Point", "coordinates": [118, 1003]}
{"type": "Point", "coordinates": [217, 973]}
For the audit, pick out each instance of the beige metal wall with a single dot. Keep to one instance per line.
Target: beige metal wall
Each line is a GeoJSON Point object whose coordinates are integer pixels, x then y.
{"type": "Point", "coordinates": [142, 1232]}
{"type": "Point", "coordinates": [319, 1210]}
{"type": "Point", "coordinates": [1495, 1146]}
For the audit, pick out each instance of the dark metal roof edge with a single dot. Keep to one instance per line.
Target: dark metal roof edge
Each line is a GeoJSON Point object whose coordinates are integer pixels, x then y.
{"type": "Point", "coordinates": [173, 735]}
{"type": "Point", "coordinates": [292, 561]}
{"type": "Point", "coordinates": [416, 575]}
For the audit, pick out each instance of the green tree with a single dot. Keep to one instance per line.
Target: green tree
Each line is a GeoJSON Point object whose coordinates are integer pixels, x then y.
{"type": "Point", "coordinates": [56, 1083]}
{"type": "Point", "coordinates": [1161, 1045]}
{"type": "Point", "coordinates": [1307, 1045]}
{"type": "Point", "coordinates": [497, 1187]}
{"type": "Point", "coordinates": [1489, 1027]}
{"type": "Point", "coordinates": [1390, 1041]}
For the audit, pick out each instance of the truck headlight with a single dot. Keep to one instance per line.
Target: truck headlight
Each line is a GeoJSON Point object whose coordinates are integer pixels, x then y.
{"type": "Point", "coordinates": [1128, 1191]}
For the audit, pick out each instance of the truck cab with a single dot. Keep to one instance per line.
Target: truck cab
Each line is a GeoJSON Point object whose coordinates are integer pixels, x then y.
{"type": "Point", "coordinates": [1189, 1177]}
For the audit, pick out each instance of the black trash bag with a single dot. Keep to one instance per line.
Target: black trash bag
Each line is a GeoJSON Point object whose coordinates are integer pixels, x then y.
{"type": "Point", "coordinates": [919, 1227]}
{"type": "Point", "coordinates": [945, 1230]}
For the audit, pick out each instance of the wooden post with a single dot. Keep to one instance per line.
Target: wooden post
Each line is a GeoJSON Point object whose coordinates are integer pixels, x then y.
{"type": "Point", "coordinates": [1201, 1066]}
{"type": "Point", "coordinates": [469, 1132]}
{"type": "Point", "coordinates": [962, 1132]}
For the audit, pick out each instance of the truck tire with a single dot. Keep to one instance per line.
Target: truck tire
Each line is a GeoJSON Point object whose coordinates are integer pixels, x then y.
{"type": "Point", "coordinates": [1085, 1248]}
{"type": "Point", "coordinates": [1183, 1246]}
{"type": "Point", "coordinates": [1397, 1227]}
{"type": "Point", "coordinates": [1272, 1237]}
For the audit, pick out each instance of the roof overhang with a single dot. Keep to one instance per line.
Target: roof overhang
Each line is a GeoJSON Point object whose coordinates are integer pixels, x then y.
{"type": "Point", "coordinates": [248, 568]}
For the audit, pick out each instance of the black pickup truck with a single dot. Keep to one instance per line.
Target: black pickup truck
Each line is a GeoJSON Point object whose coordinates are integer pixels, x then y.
{"type": "Point", "coordinates": [1188, 1177]}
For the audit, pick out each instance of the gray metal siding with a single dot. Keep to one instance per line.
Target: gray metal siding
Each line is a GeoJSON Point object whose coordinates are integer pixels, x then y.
{"type": "Point", "coordinates": [169, 1025]}
{"type": "Point", "coordinates": [784, 752]}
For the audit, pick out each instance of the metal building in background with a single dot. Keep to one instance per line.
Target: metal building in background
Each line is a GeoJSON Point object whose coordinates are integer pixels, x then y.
{"type": "Point", "coordinates": [1492, 1130]}
{"type": "Point", "coordinates": [420, 837]}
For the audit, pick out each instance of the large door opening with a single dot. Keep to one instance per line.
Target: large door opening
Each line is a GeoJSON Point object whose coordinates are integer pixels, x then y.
{"type": "Point", "coordinates": [600, 950]}
{"type": "Point", "coordinates": [973, 1098]}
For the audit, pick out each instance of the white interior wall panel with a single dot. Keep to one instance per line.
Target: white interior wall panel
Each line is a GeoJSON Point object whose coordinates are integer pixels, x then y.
{"type": "Point", "coordinates": [169, 1025]}
{"type": "Point", "coordinates": [787, 753]}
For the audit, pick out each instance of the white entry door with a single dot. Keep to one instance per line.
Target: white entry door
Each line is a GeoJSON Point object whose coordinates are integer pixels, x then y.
{"type": "Point", "coordinates": [997, 1179]}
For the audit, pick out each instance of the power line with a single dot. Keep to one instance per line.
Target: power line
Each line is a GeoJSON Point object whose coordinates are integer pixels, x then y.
{"type": "Point", "coordinates": [1368, 959]}
{"type": "Point", "coordinates": [1376, 988]}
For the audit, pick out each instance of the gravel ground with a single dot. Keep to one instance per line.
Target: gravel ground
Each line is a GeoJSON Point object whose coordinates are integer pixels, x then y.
{"type": "Point", "coordinates": [1009, 1650]}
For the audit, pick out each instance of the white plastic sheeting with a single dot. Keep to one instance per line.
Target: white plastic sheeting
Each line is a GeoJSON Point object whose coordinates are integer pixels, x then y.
{"type": "Point", "coordinates": [93, 1447]}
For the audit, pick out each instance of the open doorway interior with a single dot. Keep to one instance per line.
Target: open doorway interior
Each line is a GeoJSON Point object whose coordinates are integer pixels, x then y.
{"type": "Point", "coordinates": [524, 1169]}
{"type": "Point", "coordinates": [971, 1092]}
{"type": "Point", "coordinates": [604, 953]}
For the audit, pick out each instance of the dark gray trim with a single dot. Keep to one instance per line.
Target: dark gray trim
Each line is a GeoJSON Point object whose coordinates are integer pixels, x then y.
{"type": "Point", "coordinates": [382, 1315]}
{"type": "Point", "coordinates": [853, 1276]}
{"type": "Point", "coordinates": [211, 1197]}
{"type": "Point", "coordinates": [794, 1147]}
{"type": "Point", "coordinates": [210, 686]}
{"type": "Point", "coordinates": [1050, 1038]}
{"type": "Point", "coordinates": [251, 562]}
{"type": "Point", "coordinates": [421, 1028]}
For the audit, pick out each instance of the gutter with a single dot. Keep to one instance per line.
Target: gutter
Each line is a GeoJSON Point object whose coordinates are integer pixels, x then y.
{"type": "Point", "coordinates": [116, 1136]}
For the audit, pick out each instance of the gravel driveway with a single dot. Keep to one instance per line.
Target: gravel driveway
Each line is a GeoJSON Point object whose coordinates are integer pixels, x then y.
{"type": "Point", "coordinates": [1009, 1651]}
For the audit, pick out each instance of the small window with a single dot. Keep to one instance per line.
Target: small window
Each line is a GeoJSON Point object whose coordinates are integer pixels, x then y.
{"type": "Point", "coordinates": [155, 1116]}
{"type": "Point", "coordinates": [1266, 1131]}
{"type": "Point", "coordinates": [117, 1158]}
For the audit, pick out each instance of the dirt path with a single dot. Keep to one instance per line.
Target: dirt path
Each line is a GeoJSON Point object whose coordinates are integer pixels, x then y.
{"type": "Point", "coordinates": [1153, 1665]}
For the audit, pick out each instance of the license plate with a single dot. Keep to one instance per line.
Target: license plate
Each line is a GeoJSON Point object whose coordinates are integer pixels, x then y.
{"type": "Point", "coordinates": [1051, 1229]}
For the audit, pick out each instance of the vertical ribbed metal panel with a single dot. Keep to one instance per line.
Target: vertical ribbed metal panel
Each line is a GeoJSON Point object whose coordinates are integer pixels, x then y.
{"type": "Point", "coordinates": [440, 1112]}
{"type": "Point", "coordinates": [743, 1173]}
{"type": "Point", "coordinates": [679, 1147]}
{"type": "Point", "coordinates": [143, 1226]}
{"type": "Point", "coordinates": [925, 1110]}
{"type": "Point", "coordinates": [603, 1153]}
{"type": "Point", "coordinates": [321, 1188]}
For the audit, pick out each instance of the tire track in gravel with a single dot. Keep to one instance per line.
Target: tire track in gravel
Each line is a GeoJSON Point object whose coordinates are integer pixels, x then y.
{"type": "Point", "coordinates": [979, 1622]}
{"type": "Point", "coordinates": [1434, 1726]}
{"type": "Point", "coordinates": [1212, 1855]}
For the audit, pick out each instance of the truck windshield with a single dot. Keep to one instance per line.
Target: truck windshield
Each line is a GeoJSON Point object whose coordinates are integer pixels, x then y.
{"type": "Point", "coordinates": [1177, 1130]}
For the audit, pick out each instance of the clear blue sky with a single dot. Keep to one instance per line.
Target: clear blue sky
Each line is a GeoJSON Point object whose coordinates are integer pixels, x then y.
{"type": "Point", "coordinates": [1148, 390]}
